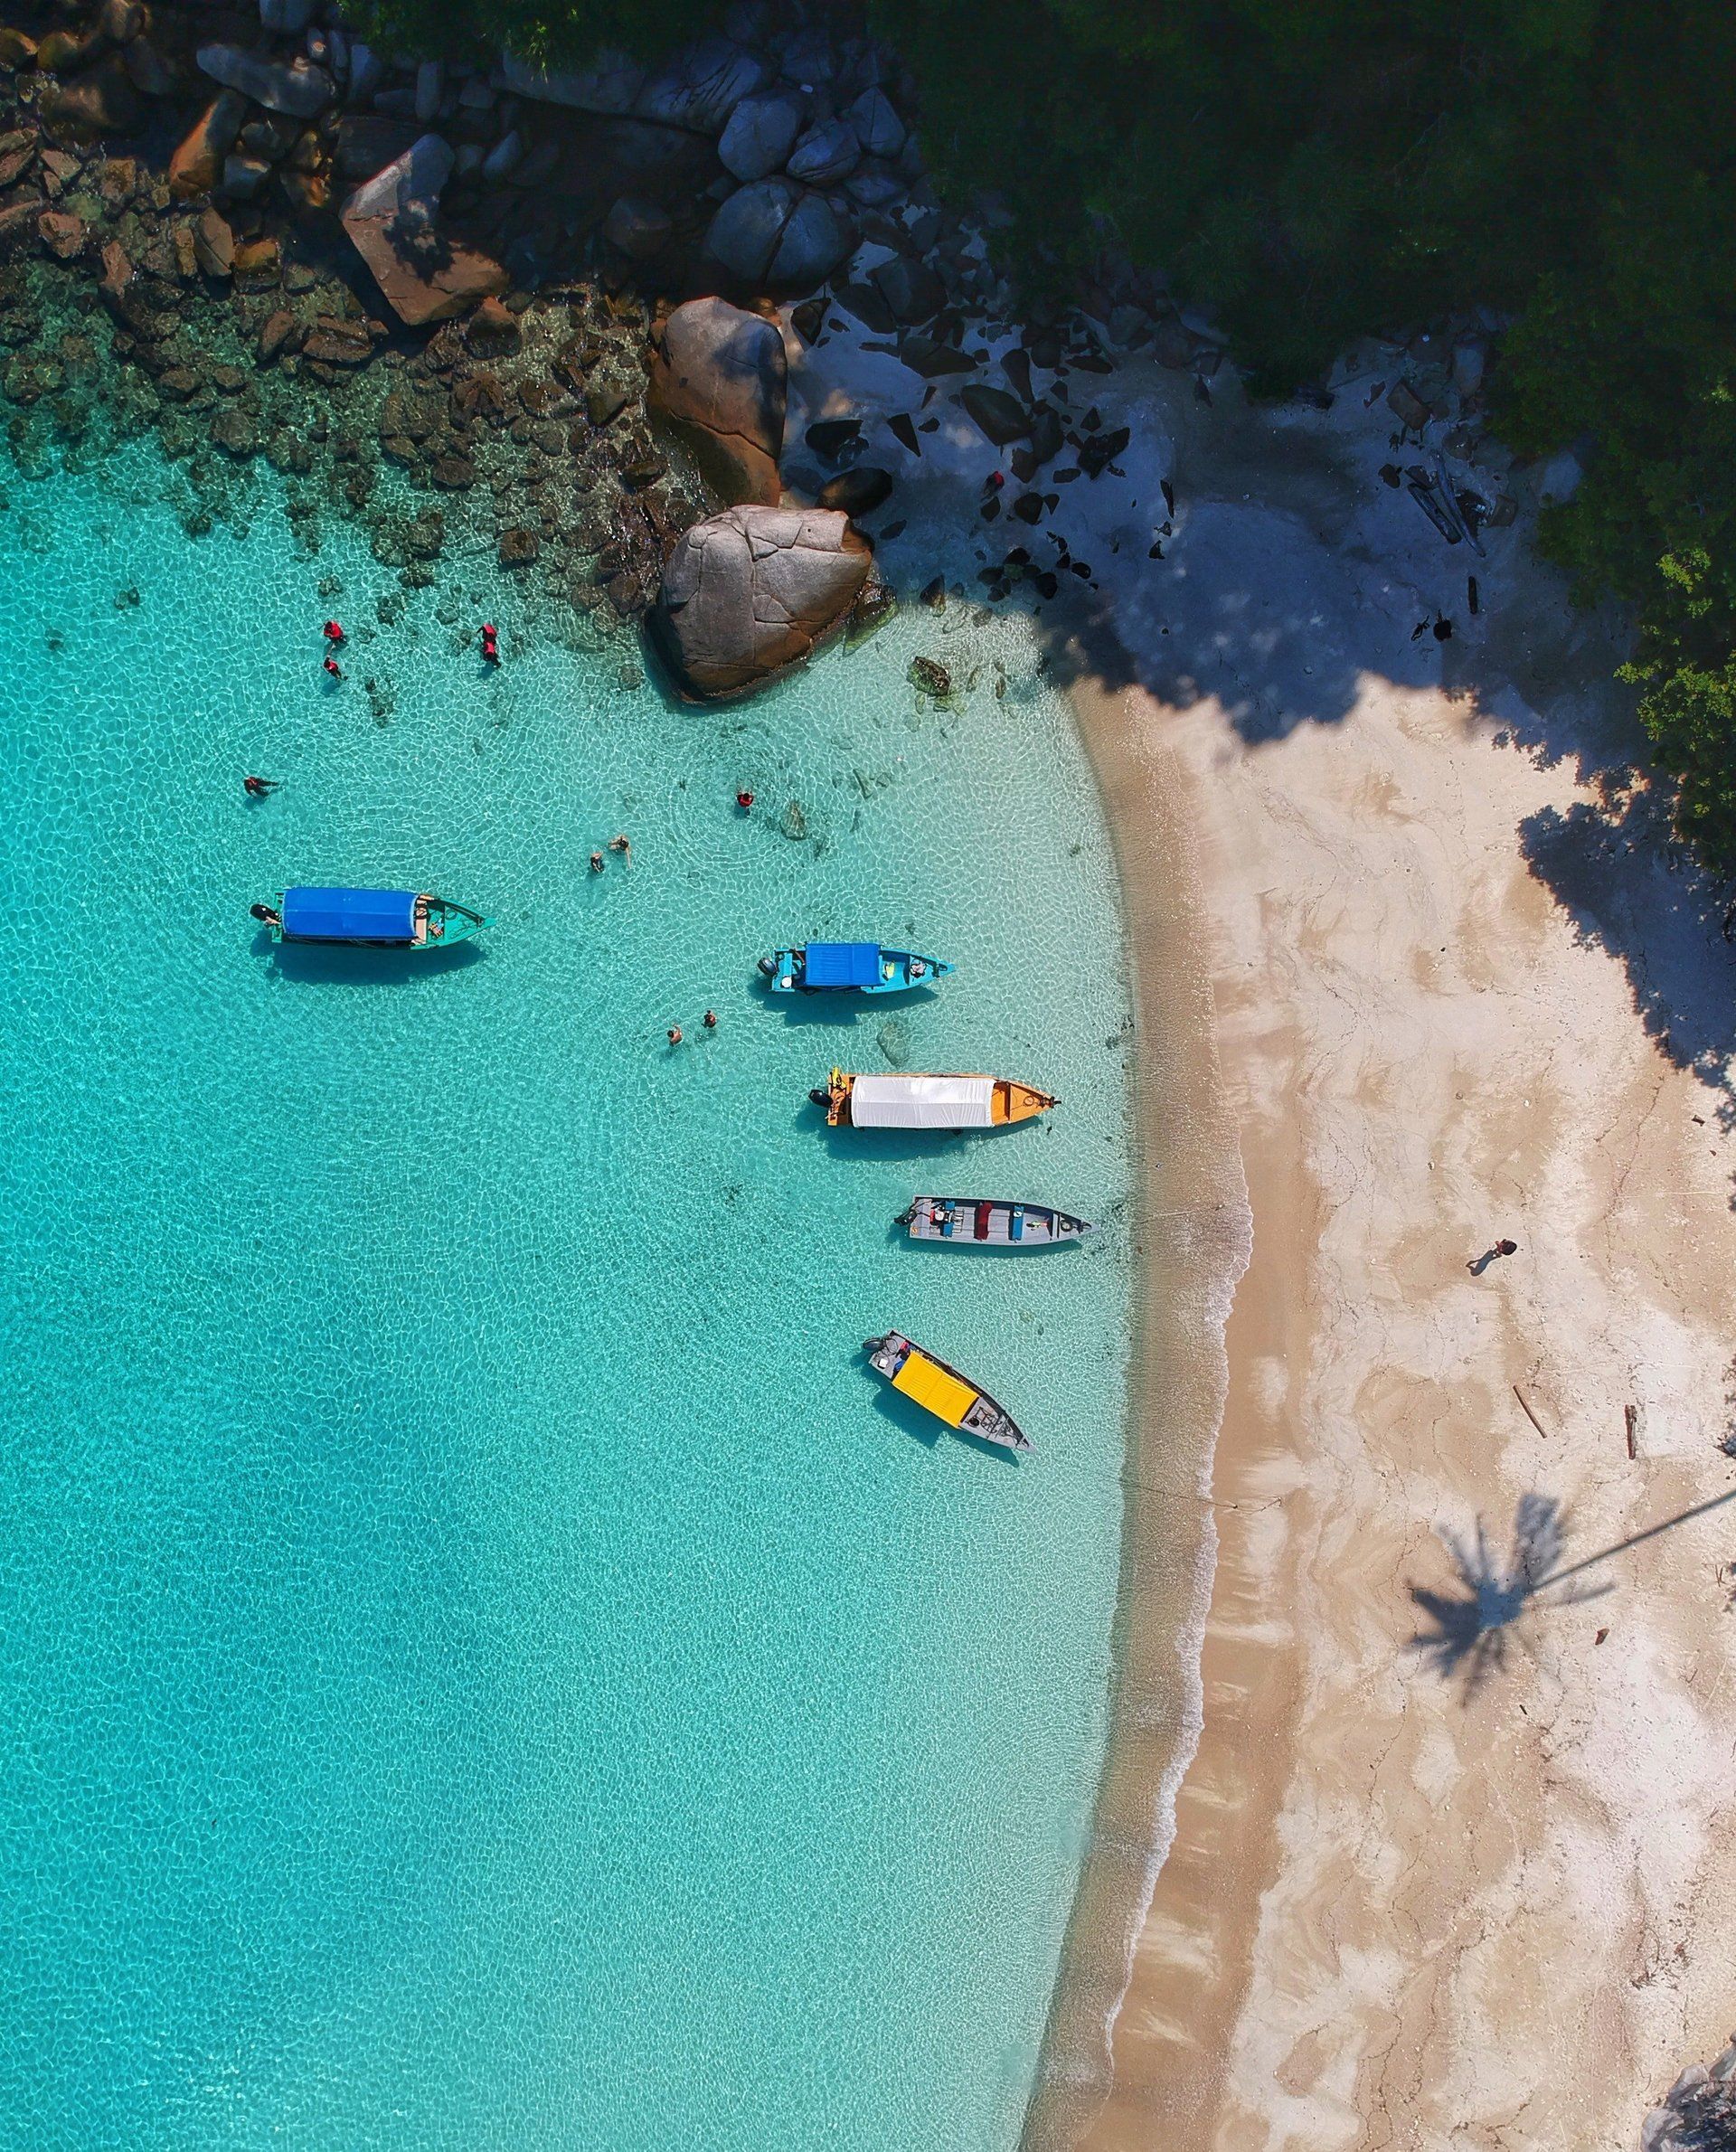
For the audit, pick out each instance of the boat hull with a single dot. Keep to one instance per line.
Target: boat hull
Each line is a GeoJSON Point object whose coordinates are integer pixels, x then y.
{"type": "Point", "coordinates": [984, 1419]}
{"type": "Point", "coordinates": [991, 1221]}
{"type": "Point", "coordinates": [902, 970]}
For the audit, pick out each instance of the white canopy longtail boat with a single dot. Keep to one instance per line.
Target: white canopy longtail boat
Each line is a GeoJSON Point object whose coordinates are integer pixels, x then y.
{"type": "Point", "coordinates": [928, 1102]}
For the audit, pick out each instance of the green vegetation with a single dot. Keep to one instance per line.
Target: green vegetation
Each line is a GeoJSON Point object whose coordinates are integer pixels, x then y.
{"type": "Point", "coordinates": [1314, 169]}
{"type": "Point", "coordinates": [1317, 168]}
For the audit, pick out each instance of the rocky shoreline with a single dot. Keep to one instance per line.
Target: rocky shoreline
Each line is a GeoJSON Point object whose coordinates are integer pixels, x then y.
{"type": "Point", "coordinates": [247, 232]}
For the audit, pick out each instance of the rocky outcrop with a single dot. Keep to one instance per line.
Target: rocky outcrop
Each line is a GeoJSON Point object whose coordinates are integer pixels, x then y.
{"type": "Point", "coordinates": [393, 222]}
{"type": "Point", "coordinates": [751, 592]}
{"type": "Point", "coordinates": [719, 379]}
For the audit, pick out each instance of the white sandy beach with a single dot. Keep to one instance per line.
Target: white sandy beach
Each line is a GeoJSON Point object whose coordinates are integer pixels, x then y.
{"type": "Point", "coordinates": [1452, 1864]}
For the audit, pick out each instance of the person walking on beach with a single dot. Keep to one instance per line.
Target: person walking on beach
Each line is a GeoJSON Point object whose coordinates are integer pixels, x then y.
{"type": "Point", "coordinates": [1478, 1264]}
{"type": "Point", "coordinates": [258, 787]}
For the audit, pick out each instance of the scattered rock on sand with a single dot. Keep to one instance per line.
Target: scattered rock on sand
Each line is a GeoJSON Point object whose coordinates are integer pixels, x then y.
{"type": "Point", "coordinates": [1000, 415]}
{"type": "Point", "coordinates": [393, 222]}
{"type": "Point", "coordinates": [930, 676]}
{"type": "Point", "coordinates": [913, 293]}
{"type": "Point", "coordinates": [857, 491]}
{"type": "Point", "coordinates": [719, 377]}
{"type": "Point", "coordinates": [750, 592]}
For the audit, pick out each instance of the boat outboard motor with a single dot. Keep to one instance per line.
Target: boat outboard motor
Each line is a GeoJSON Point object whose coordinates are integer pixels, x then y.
{"type": "Point", "coordinates": [767, 968]}
{"type": "Point", "coordinates": [820, 1097]}
{"type": "Point", "coordinates": [263, 913]}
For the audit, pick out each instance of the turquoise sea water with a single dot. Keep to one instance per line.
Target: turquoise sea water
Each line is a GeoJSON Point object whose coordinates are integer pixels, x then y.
{"type": "Point", "coordinates": [481, 1662]}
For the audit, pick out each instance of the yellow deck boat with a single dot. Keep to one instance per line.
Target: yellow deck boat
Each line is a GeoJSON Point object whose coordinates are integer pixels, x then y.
{"type": "Point", "coordinates": [941, 1389]}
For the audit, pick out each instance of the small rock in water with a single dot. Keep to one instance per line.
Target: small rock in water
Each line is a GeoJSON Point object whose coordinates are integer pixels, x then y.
{"type": "Point", "coordinates": [795, 821]}
{"type": "Point", "coordinates": [124, 598]}
{"type": "Point", "coordinates": [934, 594]}
{"type": "Point", "coordinates": [630, 676]}
{"type": "Point", "coordinates": [929, 676]}
{"type": "Point", "coordinates": [894, 1042]}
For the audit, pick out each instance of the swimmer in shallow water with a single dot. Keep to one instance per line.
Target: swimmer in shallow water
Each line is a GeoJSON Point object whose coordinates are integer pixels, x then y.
{"type": "Point", "coordinates": [621, 844]}
{"type": "Point", "coordinates": [258, 787]}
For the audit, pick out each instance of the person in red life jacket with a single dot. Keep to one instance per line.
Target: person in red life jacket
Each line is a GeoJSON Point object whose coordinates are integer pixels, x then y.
{"type": "Point", "coordinates": [995, 479]}
{"type": "Point", "coordinates": [490, 647]}
{"type": "Point", "coordinates": [744, 800]}
{"type": "Point", "coordinates": [334, 632]}
{"type": "Point", "coordinates": [333, 667]}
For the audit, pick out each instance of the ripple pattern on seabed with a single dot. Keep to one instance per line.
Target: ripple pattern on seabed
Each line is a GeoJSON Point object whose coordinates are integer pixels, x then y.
{"type": "Point", "coordinates": [484, 1664]}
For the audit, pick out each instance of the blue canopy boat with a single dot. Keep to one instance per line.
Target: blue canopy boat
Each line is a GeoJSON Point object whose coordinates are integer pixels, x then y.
{"type": "Point", "coordinates": [396, 918]}
{"type": "Point", "coordinates": [848, 967]}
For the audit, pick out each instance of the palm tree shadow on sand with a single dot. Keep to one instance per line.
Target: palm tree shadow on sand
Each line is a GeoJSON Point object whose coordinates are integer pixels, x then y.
{"type": "Point", "coordinates": [1472, 1628]}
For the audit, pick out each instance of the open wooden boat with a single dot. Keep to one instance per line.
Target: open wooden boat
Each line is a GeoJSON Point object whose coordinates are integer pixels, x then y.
{"type": "Point", "coordinates": [943, 1391]}
{"type": "Point", "coordinates": [927, 1102]}
{"type": "Point", "coordinates": [393, 918]}
{"type": "Point", "coordinates": [848, 967]}
{"type": "Point", "coordinates": [988, 1222]}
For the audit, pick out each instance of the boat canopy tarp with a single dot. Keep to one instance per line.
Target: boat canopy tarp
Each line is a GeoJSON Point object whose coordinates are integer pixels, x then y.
{"type": "Point", "coordinates": [350, 914]}
{"type": "Point", "coordinates": [943, 1393]}
{"type": "Point", "coordinates": [843, 964]}
{"type": "Point", "coordinates": [923, 1102]}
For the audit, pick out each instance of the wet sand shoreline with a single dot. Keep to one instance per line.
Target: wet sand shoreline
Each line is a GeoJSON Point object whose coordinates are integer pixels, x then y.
{"type": "Point", "coordinates": [1191, 1237]}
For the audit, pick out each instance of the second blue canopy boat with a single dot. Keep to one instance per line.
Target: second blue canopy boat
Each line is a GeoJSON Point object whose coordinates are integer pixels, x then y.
{"type": "Point", "coordinates": [397, 919]}
{"type": "Point", "coordinates": [848, 967]}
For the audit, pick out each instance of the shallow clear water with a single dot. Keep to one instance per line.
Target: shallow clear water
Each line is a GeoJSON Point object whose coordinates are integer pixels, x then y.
{"type": "Point", "coordinates": [482, 1664]}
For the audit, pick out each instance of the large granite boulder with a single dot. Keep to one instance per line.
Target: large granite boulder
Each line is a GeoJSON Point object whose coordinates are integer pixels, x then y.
{"type": "Point", "coordinates": [878, 128]}
{"type": "Point", "coordinates": [775, 233]}
{"type": "Point", "coordinates": [750, 592]}
{"type": "Point", "coordinates": [761, 134]}
{"type": "Point", "coordinates": [702, 86]}
{"type": "Point", "coordinates": [698, 89]}
{"type": "Point", "coordinates": [718, 379]}
{"type": "Point", "coordinates": [393, 222]}
{"type": "Point", "coordinates": [827, 151]}
{"type": "Point", "coordinates": [610, 86]}
{"type": "Point", "coordinates": [295, 87]}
